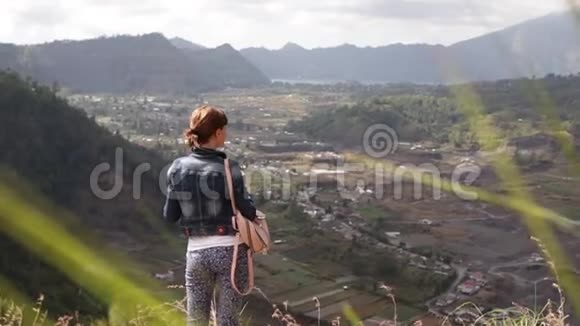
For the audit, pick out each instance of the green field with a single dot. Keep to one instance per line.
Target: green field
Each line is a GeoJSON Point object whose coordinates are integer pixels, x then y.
{"type": "Point", "coordinates": [374, 212]}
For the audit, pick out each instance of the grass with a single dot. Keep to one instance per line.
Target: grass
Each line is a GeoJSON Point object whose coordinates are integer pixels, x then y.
{"type": "Point", "coordinates": [14, 315]}
{"type": "Point", "coordinates": [551, 314]}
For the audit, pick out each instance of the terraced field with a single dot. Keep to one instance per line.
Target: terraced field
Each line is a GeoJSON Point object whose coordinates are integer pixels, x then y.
{"type": "Point", "coordinates": [287, 281]}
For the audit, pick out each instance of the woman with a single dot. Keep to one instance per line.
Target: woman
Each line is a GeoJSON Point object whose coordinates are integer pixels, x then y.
{"type": "Point", "coordinates": [197, 199]}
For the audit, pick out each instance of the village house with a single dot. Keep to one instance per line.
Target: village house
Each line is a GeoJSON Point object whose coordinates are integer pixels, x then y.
{"type": "Point", "coordinates": [469, 287]}
{"type": "Point", "coordinates": [479, 278]}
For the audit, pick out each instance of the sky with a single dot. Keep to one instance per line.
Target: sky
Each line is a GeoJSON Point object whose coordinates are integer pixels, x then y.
{"type": "Point", "coordinates": [269, 23]}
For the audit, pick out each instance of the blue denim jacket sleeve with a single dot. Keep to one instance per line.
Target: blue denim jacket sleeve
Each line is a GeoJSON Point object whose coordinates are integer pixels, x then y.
{"type": "Point", "coordinates": [244, 201]}
{"type": "Point", "coordinates": [172, 209]}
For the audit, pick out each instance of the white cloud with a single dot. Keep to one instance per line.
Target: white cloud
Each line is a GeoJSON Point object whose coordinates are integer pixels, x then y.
{"type": "Point", "coordinates": [268, 23]}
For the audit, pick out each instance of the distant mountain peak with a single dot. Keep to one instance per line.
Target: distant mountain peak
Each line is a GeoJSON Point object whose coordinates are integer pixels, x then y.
{"type": "Point", "coordinates": [184, 44]}
{"type": "Point", "coordinates": [226, 46]}
{"type": "Point", "coordinates": [152, 36]}
{"type": "Point", "coordinates": [290, 46]}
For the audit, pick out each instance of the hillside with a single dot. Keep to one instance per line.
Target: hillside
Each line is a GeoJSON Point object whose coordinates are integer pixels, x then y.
{"type": "Point", "coordinates": [147, 63]}
{"type": "Point", "coordinates": [537, 47]}
{"type": "Point", "coordinates": [526, 49]}
{"type": "Point", "coordinates": [431, 113]}
{"type": "Point", "coordinates": [224, 66]}
{"type": "Point", "coordinates": [50, 148]}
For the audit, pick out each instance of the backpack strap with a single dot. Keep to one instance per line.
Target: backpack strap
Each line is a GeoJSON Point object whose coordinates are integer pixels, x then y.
{"type": "Point", "coordinates": [250, 269]}
{"type": "Point", "coordinates": [230, 185]}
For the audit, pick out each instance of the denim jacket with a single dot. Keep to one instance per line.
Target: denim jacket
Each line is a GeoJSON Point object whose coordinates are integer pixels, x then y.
{"type": "Point", "coordinates": [197, 195]}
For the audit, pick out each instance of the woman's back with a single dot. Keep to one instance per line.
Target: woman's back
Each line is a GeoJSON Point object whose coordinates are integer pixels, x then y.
{"type": "Point", "coordinates": [197, 187]}
{"type": "Point", "coordinates": [197, 198]}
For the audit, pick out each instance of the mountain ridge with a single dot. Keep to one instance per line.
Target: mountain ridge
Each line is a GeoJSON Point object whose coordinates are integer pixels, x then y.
{"type": "Point", "coordinates": [153, 63]}
{"type": "Point", "coordinates": [125, 64]}
{"type": "Point", "coordinates": [183, 44]}
{"type": "Point", "coordinates": [522, 50]}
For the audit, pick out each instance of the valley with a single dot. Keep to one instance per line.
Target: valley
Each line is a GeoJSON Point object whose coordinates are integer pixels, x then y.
{"type": "Point", "coordinates": [340, 234]}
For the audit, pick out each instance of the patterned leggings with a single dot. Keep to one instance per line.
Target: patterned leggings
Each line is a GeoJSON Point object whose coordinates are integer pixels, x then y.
{"type": "Point", "coordinates": [207, 268]}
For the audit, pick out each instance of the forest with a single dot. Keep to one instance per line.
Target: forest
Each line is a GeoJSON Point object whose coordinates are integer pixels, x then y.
{"type": "Point", "coordinates": [48, 150]}
{"type": "Point", "coordinates": [517, 108]}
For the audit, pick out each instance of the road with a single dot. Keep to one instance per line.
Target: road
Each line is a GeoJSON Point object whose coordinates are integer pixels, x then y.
{"type": "Point", "coordinates": [460, 272]}
{"type": "Point", "coordinates": [520, 280]}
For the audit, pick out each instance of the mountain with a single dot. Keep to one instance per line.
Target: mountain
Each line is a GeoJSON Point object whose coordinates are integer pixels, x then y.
{"type": "Point", "coordinates": [184, 44]}
{"type": "Point", "coordinates": [416, 63]}
{"type": "Point", "coordinates": [541, 46]}
{"type": "Point", "coordinates": [146, 63]}
{"type": "Point", "coordinates": [118, 64]}
{"type": "Point", "coordinates": [224, 66]}
{"type": "Point", "coordinates": [549, 44]}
